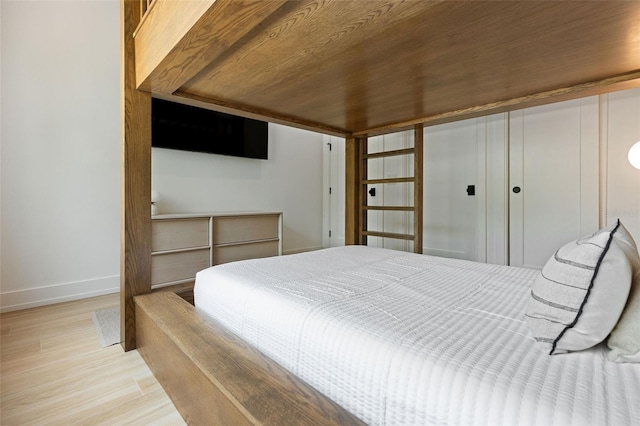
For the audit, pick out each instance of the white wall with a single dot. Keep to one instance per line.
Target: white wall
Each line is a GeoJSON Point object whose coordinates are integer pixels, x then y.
{"type": "Point", "coordinates": [620, 182]}
{"type": "Point", "coordinates": [60, 151]}
{"type": "Point", "coordinates": [289, 181]}
{"type": "Point", "coordinates": [60, 159]}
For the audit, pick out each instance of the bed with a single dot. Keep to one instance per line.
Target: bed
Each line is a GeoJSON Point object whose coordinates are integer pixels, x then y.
{"type": "Point", "coordinates": [401, 338]}
{"type": "Point", "coordinates": [349, 68]}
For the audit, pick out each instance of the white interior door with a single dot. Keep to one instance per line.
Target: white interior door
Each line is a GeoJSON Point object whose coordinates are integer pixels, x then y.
{"type": "Point", "coordinates": [553, 162]}
{"type": "Point", "coordinates": [334, 192]}
{"type": "Point", "coordinates": [451, 156]}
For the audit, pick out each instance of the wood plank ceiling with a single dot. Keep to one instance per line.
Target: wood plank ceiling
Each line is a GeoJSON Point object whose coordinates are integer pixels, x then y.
{"type": "Point", "coordinates": [357, 67]}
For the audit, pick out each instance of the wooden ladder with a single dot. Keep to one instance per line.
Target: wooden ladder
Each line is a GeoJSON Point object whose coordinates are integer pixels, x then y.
{"type": "Point", "coordinates": [362, 158]}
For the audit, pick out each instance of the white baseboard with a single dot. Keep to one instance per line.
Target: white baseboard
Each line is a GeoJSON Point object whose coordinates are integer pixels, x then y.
{"type": "Point", "coordinates": [301, 250]}
{"type": "Point", "coordinates": [452, 254]}
{"type": "Point", "coordinates": [40, 296]}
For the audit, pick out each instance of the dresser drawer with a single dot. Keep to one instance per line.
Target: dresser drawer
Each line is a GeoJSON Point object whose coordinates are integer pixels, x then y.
{"type": "Point", "coordinates": [231, 253]}
{"type": "Point", "coordinates": [244, 228]}
{"type": "Point", "coordinates": [179, 234]}
{"type": "Point", "coordinates": [168, 267]}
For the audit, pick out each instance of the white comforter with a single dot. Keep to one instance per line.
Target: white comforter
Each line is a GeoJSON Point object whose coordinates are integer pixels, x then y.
{"type": "Point", "coordinates": [398, 338]}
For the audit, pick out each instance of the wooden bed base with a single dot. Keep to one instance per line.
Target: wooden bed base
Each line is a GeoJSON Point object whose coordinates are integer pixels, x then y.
{"type": "Point", "coordinates": [214, 377]}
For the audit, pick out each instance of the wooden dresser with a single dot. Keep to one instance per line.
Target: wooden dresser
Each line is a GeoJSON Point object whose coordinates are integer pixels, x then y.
{"type": "Point", "coordinates": [183, 244]}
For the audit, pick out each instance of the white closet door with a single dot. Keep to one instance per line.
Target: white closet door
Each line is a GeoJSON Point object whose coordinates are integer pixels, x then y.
{"type": "Point", "coordinates": [453, 224]}
{"type": "Point", "coordinates": [553, 164]}
{"type": "Point", "coordinates": [494, 210]}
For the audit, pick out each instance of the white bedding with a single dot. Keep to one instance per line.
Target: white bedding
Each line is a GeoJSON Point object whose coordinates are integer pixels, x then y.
{"type": "Point", "coordinates": [399, 338]}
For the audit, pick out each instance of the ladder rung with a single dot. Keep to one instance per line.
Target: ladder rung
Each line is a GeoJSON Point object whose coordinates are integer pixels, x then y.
{"type": "Point", "coordinates": [406, 151]}
{"type": "Point", "coordinates": [390, 208]}
{"type": "Point", "coordinates": [388, 235]}
{"type": "Point", "coordinates": [388, 180]}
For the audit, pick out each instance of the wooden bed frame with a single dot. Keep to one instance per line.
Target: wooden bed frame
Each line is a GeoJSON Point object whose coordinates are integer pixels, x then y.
{"type": "Point", "coordinates": [350, 68]}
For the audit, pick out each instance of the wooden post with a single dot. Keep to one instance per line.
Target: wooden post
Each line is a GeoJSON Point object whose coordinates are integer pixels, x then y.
{"type": "Point", "coordinates": [135, 226]}
{"type": "Point", "coordinates": [363, 149]}
{"type": "Point", "coordinates": [355, 191]}
{"type": "Point", "coordinates": [418, 142]}
{"type": "Point", "coordinates": [352, 191]}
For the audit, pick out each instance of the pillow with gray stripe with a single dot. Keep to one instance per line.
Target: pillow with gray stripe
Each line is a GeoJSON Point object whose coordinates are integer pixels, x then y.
{"type": "Point", "coordinates": [581, 291]}
{"type": "Point", "coordinates": [624, 340]}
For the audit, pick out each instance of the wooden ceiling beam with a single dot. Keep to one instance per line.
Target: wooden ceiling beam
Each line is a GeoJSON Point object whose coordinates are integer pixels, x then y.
{"type": "Point", "coordinates": [193, 34]}
{"type": "Point", "coordinates": [253, 112]}
{"type": "Point", "coordinates": [607, 85]}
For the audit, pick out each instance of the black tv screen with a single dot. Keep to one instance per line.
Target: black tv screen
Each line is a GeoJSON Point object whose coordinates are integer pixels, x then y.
{"type": "Point", "coordinates": [189, 128]}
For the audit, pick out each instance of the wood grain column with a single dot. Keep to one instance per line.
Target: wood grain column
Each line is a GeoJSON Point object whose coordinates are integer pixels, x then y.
{"type": "Point", "coordinates": [363, 174]}
{"type": "Point", "coordinates": [352, 191]}
{"type": "Point", "coordinates": [418, 160]}
{"type": "Point", "coordinates": [135, 224]}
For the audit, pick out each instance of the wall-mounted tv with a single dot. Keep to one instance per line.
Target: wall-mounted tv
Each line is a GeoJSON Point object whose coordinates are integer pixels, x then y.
{"type": "Point", "coordinates": [189, 128]}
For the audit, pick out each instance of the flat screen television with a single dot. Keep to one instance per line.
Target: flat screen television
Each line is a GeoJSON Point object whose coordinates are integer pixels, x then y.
{"type": "Point", "coordinates": [189, 128]}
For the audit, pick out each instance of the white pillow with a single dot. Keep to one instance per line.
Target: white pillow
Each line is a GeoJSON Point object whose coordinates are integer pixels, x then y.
{"type": "Point", "coordinates": [581, 291]}
{"type": "Point", "coordinates": [624, 340]}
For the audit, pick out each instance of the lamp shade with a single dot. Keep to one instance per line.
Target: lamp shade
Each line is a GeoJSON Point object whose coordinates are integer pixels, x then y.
{"type": "Point", "coordinates": [634, 155]}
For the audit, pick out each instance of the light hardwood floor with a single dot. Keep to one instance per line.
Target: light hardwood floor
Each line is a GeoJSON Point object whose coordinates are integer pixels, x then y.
{"type": "Point", "coordinates": [53, 371]}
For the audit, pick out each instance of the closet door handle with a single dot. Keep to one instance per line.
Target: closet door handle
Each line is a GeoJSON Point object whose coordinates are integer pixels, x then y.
{"type": "Point", "coordinates": [516, 190]}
